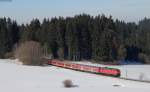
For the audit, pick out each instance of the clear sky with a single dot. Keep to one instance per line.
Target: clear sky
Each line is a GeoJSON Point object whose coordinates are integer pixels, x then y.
{"type": "Point", "coordinates": [25, 10]}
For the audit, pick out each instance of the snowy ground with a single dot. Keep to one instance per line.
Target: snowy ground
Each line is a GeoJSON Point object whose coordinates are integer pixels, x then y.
{"type": "Point", "coordinates": [19, 78]}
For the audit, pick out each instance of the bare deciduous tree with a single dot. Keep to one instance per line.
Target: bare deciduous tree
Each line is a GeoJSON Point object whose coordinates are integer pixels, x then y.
{"type": "Point", "coordinates": [30, 53]}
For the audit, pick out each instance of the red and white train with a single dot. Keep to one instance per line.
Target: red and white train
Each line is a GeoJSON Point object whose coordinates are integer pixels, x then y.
{"type": "Point", "coordinates": [86, 68]}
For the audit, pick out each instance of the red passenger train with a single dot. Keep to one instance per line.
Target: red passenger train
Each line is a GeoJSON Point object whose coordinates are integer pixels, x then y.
{"type": "Point", "coordinates": [86, 68]}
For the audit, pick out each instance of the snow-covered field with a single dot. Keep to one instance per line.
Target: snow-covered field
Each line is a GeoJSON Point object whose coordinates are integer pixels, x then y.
{"type": "Point", "coordinates": [19, 78]}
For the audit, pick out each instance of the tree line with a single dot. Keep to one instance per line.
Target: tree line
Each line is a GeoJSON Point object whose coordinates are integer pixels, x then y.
{"type": "Point", "coordinates": [82, 37]}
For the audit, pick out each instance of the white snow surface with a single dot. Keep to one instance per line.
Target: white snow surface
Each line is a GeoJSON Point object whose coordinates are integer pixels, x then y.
{"type": "Point", "coordinates": [15, 77]}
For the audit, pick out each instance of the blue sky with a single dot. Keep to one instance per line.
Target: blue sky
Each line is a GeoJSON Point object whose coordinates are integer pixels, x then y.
{"type": "Point", "coordinates": [25, 10]}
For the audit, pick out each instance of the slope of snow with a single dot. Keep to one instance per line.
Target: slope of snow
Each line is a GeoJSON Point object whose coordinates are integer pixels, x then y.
{"type": "Point", "coordinates": [19, 78]}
